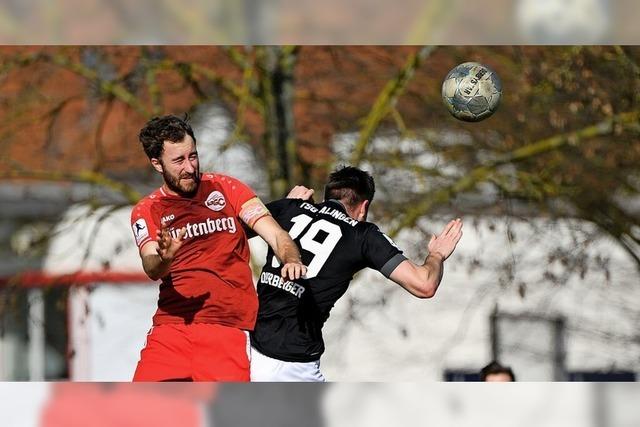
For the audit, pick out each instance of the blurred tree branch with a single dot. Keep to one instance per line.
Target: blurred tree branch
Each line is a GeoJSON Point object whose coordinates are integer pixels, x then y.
{"type": "Point", "coordinates": [276, 67]}
{"type": "Point", "coordinates": [432, 18]}
{"type": "Point", "coordinates": [88, 177]}
{"type": "Point", "coordinates": [482, 173]}
{"type": "Point", "coordinates": [110, 88]}
{"type": "Point", "coordinates": [386, 100]}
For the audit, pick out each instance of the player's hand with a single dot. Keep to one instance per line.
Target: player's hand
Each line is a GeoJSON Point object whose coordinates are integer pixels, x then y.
{"type": "Point", "coordinates": [167, 245]}
{"type": "Point", "coordinates": [300, 192]}
{"type": "Point", "coordinates": [446, 242]}
{"type": "Point", "coordinates": [293, 270]}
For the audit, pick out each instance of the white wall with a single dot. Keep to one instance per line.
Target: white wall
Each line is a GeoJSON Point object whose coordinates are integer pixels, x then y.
{"type": "Point", "coordinates": [108, 322]}
{"type": "Point", "coordinates": [448, 331]}
{"type": "Point", "coordinates": [21, 403]}
{"type": "Point", "coordinates": [404, 340]}
{"type": "Point", "coordinates": [452, 329]}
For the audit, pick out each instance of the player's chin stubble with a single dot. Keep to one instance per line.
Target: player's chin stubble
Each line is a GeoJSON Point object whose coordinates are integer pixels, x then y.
{"type": "Point", "coordinates": [176, 184]}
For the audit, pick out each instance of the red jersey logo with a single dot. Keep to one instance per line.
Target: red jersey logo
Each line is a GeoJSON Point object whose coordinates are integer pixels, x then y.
{"type": "Point", "coordinates": [215, 201]}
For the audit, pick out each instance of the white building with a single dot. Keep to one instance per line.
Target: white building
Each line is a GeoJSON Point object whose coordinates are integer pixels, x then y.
{"type": "Point", "coordinates": [545, 325]}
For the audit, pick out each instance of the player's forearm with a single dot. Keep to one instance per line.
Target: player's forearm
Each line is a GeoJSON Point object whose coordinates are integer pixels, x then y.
{"type": "Point", "coordinates": [285, 248]}
{"type": "Point", "coordinates": [433, 269]}
{"type": "Point", "coordinates": [155, 267]}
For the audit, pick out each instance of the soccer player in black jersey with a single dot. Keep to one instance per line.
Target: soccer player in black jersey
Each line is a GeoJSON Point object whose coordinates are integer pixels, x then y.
{"type": "Point", "coordinates": [335, 242]}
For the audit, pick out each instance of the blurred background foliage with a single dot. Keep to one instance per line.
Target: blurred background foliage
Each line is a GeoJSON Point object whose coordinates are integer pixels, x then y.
{"type": "Point", "coordinates": [278, 22]}
{"type": "Point", "coordinates": [563, 143]}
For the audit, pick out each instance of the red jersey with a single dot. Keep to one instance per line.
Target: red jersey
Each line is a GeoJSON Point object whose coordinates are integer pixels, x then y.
{"type": "Point", "coordinates": [210, 279]}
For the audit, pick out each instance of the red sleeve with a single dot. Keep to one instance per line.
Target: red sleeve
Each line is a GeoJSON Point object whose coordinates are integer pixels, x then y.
{"type": "Point", "coordinates": [237, 192]}
{"type": "Point", "coordinates": [143, 224]}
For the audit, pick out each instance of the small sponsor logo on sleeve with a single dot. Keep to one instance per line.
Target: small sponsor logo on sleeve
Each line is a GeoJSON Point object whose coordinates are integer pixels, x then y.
{"type": "Point", "coordinates": [140, 230]}
{"type": "Point", "coordinates": [215, 201]}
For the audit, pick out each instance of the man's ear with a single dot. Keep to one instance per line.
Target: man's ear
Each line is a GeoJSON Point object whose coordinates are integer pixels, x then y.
{"type": "Point", "coordinates": [157, 165]}
{"type": "Point", "coordinates": [362, 215]}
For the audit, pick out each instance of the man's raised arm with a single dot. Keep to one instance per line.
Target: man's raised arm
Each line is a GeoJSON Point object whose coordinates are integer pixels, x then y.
{"type": "Point", "coordinates": [157, 256]}
{"type": "Point", "coordinates": [423, 280]}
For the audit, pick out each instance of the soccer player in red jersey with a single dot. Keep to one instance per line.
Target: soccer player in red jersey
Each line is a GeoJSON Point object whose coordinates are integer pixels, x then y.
{"type": "Point", "coordinates": [190, 236]}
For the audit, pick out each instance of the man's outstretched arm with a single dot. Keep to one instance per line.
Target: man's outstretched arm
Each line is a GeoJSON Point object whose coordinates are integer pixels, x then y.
{"type": "Point", "coordinates": [423, 280]}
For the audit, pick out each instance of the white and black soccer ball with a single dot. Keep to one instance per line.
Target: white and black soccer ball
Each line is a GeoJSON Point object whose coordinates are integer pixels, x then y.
{"type": "Point", "coordinates": [471, 91]}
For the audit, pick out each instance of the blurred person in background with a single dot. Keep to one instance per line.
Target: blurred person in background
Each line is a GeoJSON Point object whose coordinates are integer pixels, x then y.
{"type": "Point", "coordinates": [495, 372]}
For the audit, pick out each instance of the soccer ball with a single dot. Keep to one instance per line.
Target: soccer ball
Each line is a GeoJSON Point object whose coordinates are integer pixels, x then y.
{"type": "Point", "coordinates": [471, 91]}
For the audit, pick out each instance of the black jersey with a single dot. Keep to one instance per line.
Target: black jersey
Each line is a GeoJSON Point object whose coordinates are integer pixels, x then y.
{"type": "Point", "coordinates": [333, 247]}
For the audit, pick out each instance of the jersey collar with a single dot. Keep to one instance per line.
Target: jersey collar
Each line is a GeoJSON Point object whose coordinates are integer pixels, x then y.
{"type": "Point", "coordinates": [337, 204]}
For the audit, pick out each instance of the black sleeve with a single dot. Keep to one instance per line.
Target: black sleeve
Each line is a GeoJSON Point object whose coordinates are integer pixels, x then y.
{"type": "Point", "coordinates": [276, 207]}
{"type": "Point", "coordinates": [380, 252]}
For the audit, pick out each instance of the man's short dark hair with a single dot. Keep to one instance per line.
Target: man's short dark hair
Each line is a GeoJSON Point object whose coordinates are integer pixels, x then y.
{"type": "Point", "coordinates": [161, 129]}
{"type": "Point", "coordinates": [496, 368]}
{"type": "Point", "coordinates": [350, 185]}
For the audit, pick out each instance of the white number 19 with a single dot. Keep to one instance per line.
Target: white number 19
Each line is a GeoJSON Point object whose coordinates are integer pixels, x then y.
{"type": "Point", "coordinates": [320, 251]}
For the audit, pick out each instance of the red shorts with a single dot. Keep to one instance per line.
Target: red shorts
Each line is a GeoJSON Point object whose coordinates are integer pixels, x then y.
{"type": "Point", "coordinates": [106, 405]}
{"type": "Point", "coordinates": [195, 352]}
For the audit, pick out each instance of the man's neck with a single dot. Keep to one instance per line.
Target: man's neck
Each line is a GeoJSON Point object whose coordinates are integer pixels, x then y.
{"type": "Point", "coordinates": [339, 202]}
{"type": "Point", "coordinates": [350, 212]}
{"type": "Point", "coordinates": [168, 191]}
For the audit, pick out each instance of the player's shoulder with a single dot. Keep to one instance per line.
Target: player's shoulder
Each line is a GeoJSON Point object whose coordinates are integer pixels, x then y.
{"type": "Point", "coordinates": [215, 177]}
{"type": "Point", "coordinates": [147, 205]}
{"type": "Point", "coordinates": [227, 184]}
{"type": "Point", "coordinates": [367, 230]}
{"type": "Point", "coordinates": [286, 204]}
{"type": "Point", "coordinates": [151, 198]}
{"type": "Point", "coordinates": [365, 227]}
{"type": "Point", "coordinates": [211, 177]}
{"type": "Point", "coordinates": [372, 233]}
